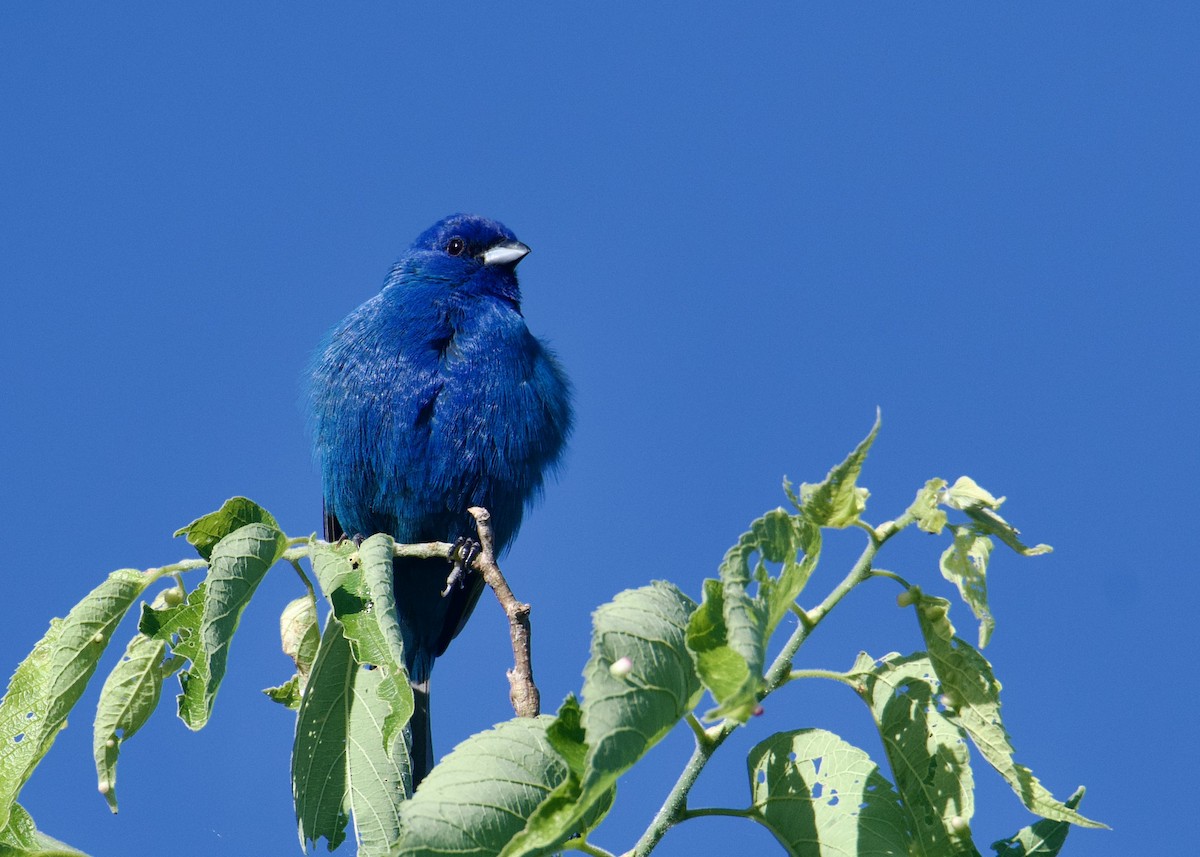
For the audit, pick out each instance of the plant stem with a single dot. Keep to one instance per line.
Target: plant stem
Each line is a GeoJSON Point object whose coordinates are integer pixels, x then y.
{"type": "Point", "coordinates": [674, 808]}
{"type": "Point", "coordinates": [718, 810]}
{"type": "Point", "coordinates": [587, 848]}
{"type": "Point", "coordinates": [829, 674]}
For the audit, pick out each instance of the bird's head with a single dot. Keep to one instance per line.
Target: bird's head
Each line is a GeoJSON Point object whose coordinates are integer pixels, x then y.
{"type": "Point", "coordinates": [472, 255]}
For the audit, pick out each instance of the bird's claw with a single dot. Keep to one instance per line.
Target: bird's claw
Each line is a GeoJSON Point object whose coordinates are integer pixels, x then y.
{"type": "Point", "coordinates": [462, 555]}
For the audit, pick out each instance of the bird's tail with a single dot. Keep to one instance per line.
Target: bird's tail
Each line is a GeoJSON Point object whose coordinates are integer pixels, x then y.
{"type": "Point", "coordinates": [420, 733]}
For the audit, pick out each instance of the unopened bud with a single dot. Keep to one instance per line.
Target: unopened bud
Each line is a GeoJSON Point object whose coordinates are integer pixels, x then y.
{"type": "Point", "coordinates": [621, 668]}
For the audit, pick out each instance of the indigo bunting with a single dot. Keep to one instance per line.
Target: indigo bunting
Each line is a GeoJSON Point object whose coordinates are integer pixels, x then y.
{"type": "Point", "coordinates": [430, 398]}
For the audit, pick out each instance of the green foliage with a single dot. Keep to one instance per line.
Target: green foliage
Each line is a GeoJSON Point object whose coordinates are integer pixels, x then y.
{"type": "Point", "coordinates": [341, 767]}
{"type": "Point", "coordinates": [543, 785]}
{"type": "Point", "coordinates": [809, 786]}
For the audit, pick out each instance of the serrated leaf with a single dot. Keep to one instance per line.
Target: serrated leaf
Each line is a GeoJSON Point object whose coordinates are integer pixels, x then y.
{"type": "Point", "coordinates": [320, 782]}
{"type": "Point", "coordinates": [559, 817]}
{"type": "Point", "coordinates": [1043, 838]}
{"type": "Point", "coordinates": [237, 565]}
{"type": "Point", "coordinates": [479, 796]}
{"type": "Point", "coordinates": [838, 501]}
{"type": "Point", "coordinates": [379, 774]}
{"type": "Point", "coordinates": [128, 698]}
{"type": "Point", "coordinates": [624, 716]}
{"type": "Point", "coordinates": [926, 508]}
{"type": "Point", "coordinates": [777, 537]}
{"type": "Point", "coordinates": [966, 492]}
{"type": "Point", "coordinates": [287, 694]}
{"type": "Point", "coordinates": [926, 751]}
{"type": "Point", "coordinates": [823, 797]}
{"type": "Point", "coordinates": [177, 626]}
{"type": "Point", "coordinates": [301, 637]}
{"type": "Point", "coordinates": [364, 603]}
{"type": "Point", "coordinates": [48, 683]}
{"type": "Point", "coordinates": [235, 513]}
{"type": "Point", "coordinates": [340, 768]}
{"type": "Point", "coordinates": [624, 712]}
{"type": "Point", "coordinates": [964, 564]}
{"type": "Point", "coordinates": [21, 838]}
{"type": "Point", "coordinates": [980, 506]}
{"type": "Point", "coordinates": [728, 660]}
{"type": "Point", "coordinates": [973, 697]}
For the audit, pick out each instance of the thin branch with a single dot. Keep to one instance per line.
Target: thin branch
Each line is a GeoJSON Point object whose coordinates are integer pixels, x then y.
{"type": "Point", "coordinates": [587, 848]}
{"type": "Point", "coordinates": [526, 700]}
{"type": "Point", "coordinates": [795, 675]}
{"type": "Point", "coordinates": [674, 808]}
{"type": "Point", "coordinates": [891, 575]}
{"type": "Point", "coordinates": [717, 810]}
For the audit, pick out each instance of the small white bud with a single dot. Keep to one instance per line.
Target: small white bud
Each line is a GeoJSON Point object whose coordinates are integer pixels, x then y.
{"type": "Point", "coordinates": [621, 668]}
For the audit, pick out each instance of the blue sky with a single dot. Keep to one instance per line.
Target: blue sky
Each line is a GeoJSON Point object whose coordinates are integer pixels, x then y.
{"type": "Point", "coordinates": [750, 227]}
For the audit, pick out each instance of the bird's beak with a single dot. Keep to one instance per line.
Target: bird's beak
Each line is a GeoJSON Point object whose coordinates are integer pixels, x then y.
{"type": "Point", "coordinates": [508, 253]}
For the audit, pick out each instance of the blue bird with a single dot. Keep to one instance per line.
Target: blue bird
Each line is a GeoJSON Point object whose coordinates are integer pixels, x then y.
{"type": "Point", "coordinates": [430, 398]}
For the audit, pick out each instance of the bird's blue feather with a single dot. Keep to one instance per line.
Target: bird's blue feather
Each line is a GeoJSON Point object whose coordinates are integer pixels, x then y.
{"type": "Point", "coordinates": [430, 398]}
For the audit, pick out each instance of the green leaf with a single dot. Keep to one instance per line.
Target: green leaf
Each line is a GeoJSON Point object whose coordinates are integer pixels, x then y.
{"type": "Point", "coordinates": [625, 711]}
{"type": "Point", "coordinates": [365, 605]}
{"type": "Point", "coordinates": [340, 767]}
{"type": "Point", "coordinates": [479, 796]}
{"type": "Point", "coordinates": [235, 513]}
{"type": "Point", "coordinates": [926, 510]}
{"type": "Point", "coordinates": [320, 781]}
{"type": "Point", "coordinates": [837, 501]}
{"type": "Point", "coordinates": [973, 699]}
{"type": "Point", "coordinates": [726, 637]}
{"type": "Point", "coordinates": [21, 838]}
{"type": "Point", "coordinates": [287, 694]}
{"type": "Point", "coordinates": [236, 567]}
{"type": "Point", "coordinates": [48, 683]}
{"type": "Point", "coordinates": [777, 537]}
{"type": "Point", "coordinates": [1043, 838]}
{"type": "Point", "coordinates": [566, 811]}
{"type": "Point", "coordinates": [926, 751]}
{"type": "Point", "coordinates": [301, 637]}
{"type": "Point", "coordinates": [964, 564]}
{"type": "Point", "coordinates": [128, 698]}
{"type": "Point", "coordinates": [626, 715]}
{"type": "Point", "coordinates": [177, 626]}
{"type": "Point", "coordinates": [300, 634]}
{"type": "Point", "coordinates": [822, 796]}
{"type": "Point", "coordinates": [980, 507]}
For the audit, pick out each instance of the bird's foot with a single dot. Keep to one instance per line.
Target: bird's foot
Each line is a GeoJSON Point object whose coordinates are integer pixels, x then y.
{"type": "Point", "coordinates": [462, 555]}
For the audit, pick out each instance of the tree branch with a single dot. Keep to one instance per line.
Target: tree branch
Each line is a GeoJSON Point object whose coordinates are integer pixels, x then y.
{"type": "Point", "coordinates": [526, 700]}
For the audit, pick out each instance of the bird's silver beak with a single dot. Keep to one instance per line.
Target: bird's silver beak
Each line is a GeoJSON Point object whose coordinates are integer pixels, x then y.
{"type": "Point", "coordinates": [508, 253]}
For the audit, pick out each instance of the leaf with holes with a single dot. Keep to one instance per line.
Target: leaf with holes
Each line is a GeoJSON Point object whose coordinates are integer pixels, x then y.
{"type": "Point", "coordinates": [809, 786]}
{"type": "Point", "coordinates": [926, 751]}
{"type": "Point", "coordinates": [964, 564]}
{"type": "Point", "coordinates": [48, 683]}
{"type": "Point", "coordinates": [128, 698]}
{"type": "Point", "coordinates": [973, 697]}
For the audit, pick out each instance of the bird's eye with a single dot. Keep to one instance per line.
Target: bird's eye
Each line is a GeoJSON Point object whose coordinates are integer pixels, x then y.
{"type": "Point", "coordinates": [455, 246]}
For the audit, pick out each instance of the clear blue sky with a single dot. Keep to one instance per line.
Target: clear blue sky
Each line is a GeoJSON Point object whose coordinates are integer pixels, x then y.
{"type": "Point", "coordinates": [749, 228]}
